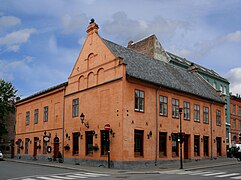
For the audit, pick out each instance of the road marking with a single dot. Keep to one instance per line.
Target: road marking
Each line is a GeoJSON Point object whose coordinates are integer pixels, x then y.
{"type": "Point", "coordinates": [28, 179]}
{"type": "Point", "coordinates": [194, 173]}
{"type": "Point", "coordinates": [213, 174]}
{"type": "Point", "coordinates": [61, 177]}
{"type": "Point", "coordinates": [46, 178]}
{"type": "Point", "coordinates": [228, 175]}
{"type": "Point", "coordinates": [237, 177]}
{"type": "Point", "coordinates": [170, 172]}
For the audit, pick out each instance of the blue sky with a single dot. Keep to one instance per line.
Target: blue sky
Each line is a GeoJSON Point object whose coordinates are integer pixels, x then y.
{"type": "Point", "coordinates": [41, 40]}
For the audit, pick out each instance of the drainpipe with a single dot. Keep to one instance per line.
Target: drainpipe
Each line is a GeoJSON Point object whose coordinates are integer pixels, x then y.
{"type": "Point", "coordinates": [63, 109]}
{"type": "Point", "coordinates": [157, 132]}
{"type": "Point", "coordinates": [211, 129]}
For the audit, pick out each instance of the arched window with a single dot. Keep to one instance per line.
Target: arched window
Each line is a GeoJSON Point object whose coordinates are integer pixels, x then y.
{"type": "Point", "coordinates": [91, 79]}
{"type": "Point", "coordinates": [100, 76]}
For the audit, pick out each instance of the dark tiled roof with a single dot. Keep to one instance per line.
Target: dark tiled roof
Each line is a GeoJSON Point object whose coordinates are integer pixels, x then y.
{"type": "Point", "coordinates": [164, 74]}
{"type": "Point", "coordinates": [44, 91]}
{"type": "Point", "coordinates": [187, 63]}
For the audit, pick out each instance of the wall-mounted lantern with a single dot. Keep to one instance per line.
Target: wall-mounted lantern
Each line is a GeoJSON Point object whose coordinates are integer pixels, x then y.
{"type": "Point", "coordinates": [82, 118]}
{"type": "Point", "coordinates": [112, 133]}
{"type": "Point", "coordinates": [149, 135]}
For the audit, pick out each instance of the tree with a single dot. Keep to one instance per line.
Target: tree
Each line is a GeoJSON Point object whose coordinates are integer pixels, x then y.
{"type": "Point", "coordinates": [7, 103]}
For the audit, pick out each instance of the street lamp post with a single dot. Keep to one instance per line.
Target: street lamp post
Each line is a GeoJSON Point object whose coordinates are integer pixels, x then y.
{"type": "Point", "coordinates": [181, 140]}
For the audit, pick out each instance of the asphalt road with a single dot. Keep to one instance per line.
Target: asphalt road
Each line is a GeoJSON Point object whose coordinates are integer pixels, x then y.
{"type": "Point", "coordinates": [20, 171]}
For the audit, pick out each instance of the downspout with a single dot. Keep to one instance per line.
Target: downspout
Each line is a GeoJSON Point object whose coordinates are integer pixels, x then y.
{"type": "Point", "coordinates": [157, 132]}
{"type": "Point", "coordinates": [211, 129]}
{"type": "Point", "coordinates": [63, 109]}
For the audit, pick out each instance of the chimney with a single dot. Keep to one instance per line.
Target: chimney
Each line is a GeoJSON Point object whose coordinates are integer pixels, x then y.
{"type": "Point", "coordinates": [92, 28]}
{"type": "Point", "coordinates": [192, 68]}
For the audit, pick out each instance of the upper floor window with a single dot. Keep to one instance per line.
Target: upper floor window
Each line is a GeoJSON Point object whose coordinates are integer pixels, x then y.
{"type": "Point", "coordinates": [175, 108]}
{"type": "Point", "coordinates": [196, 113]}
{"type": "Point", "coordinates": [46, 111]}
{"type": "Point", "coordinates": [218, 117]}
{"type": "Point", "coordinates": [139, 100]}
{"type": "Point", "coordinates": [205, 114]}
{"type": "Point", "coordinates": [27, 118]}
{"type": "Point", "coordinates": [239, 111]}
{"type": "Point", "coordinates": [75, 107]}
{"type": "Point", "coordinates": [234, 124]}
{"type": "Point", "coordinates": [36, 116]}
{"type": "Point", "coordinates": [163, 106]}
{"type": "Point", "coordinates": [225, 90]}
{"type": "Point", "coordinates": [234, 109]}
{"type": "Point", "coordinates": [186, 106]}
{"type": "Point", "coordinates": [214, 85]}
{"type": "Point", "coordinates": [221, 88]}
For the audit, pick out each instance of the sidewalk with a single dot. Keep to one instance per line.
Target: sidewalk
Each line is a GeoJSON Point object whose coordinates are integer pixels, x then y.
{"type": "Point", "coordinates": [192, 165]}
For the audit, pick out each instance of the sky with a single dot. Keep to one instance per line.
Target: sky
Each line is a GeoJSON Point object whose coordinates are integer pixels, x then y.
{"type": "Point", "coordinates": [41, 40]}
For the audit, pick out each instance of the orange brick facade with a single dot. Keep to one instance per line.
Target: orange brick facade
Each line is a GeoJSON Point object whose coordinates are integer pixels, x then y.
{"type": "Point", "coordinates": [105, 95]}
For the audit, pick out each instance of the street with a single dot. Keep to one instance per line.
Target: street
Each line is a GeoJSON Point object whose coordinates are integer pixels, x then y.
{"type": "Point", "coordinates": [21, 171]}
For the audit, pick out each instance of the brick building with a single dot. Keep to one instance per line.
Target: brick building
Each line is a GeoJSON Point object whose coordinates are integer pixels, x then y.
{"type": "Point", "coordinates": [135, 96]}
{"type": "Point", "coordinates": [235, 109]}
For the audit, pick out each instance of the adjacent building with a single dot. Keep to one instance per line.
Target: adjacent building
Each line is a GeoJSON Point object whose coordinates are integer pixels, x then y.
{"type": "Point", "coordinates": [120, 101]}
{"type": "Point", "coordinates": [235, 110]}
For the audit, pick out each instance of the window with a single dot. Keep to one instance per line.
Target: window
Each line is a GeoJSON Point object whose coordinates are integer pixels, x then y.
{"type": "Point", "coordinates": [186, 106]}
{"type": "Point", "coordinates": [76, 143]}
{"type": "Point", "coordinates": [36, 116]}
{"type": "Point", "coordinates": [221, 88]}
{"type": "Point", "coordinates": [75, 107]}
{"type": "Point", "coordinates": [218, 117]}
{"type": "Point", "coordinates": [175, 108]}
{"type": "Point", "coordinates": [46, 109]}
{"type": "Point", "coordinates": [225, 90]}
{"type": "Point", "coordinates": [89, 143]}
{"type": "Point", "coordinates": [174, 145]}
{"type": "Point", "coordinates": [234, 109]}
{"type": "Point", "coordinates": [214, 85]}
{"type": "Point", "coordinates": [162, 144]}
{"type": "Point", "coordinates": [196, 146]}
{"type": "Point", "coordinates": [105, 142]}
{"type": "Point", "coordinates": [163, 106]}
{"type": "Point", "coordinates": [205, 114]}
{"type": "Point", "coordinates": [205, 145]}
{"type": "Point", "coordinates": [196, 113]}
{"type": "Point", "coordinates": [239, 111]}
{"type": "Point", "coordinates": [138, 143]}
{"type": "Point", "coordinates": [27, 118]}
{"type": "Point", "coordinates": [139, 100]}
{"type": "Point", "coordinates": [234, 124]}
{"type": "Point", "coordinates": [239, 124]}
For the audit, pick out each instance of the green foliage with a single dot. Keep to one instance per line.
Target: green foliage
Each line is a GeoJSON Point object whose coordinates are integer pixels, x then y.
{"type": "Point", "coordinates": [7, 103]}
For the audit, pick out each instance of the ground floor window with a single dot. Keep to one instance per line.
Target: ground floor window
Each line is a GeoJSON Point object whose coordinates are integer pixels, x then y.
{"type": "Point", "coordinates": [174, 145]}
{"type": "Point", "coordinates": [76, 143]}
{"type": "Point", "coordinates": [205, 146]}
{"type": "Point", "coordinates": [105, 142]}
{"type": "Point", "coordinates": [196, 146]}
{"type": "Point", "coordinates": [138, 143]}
{"type": "Point", "coordinates": [89, 142]}
{"type": "Point", "coordinates": [162, 144]}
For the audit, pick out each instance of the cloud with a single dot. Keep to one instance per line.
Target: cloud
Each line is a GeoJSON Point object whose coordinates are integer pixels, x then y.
{"type": "Point", "coordinates": [234, 77]}
{"type": "Point", "coordinates": [8, 21]}
{"type": "Point", "coordinates": [129, 29]}
{"type": "Point", "coordinates": [13, 40]}
{"type": "Point", "coordinates": [73, 24]}
{"type": "Point", "coordinates": [233, 37]}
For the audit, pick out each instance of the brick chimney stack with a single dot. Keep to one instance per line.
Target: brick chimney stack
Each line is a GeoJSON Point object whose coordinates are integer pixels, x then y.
{"type": "Point", "coordinates": [92, 28]}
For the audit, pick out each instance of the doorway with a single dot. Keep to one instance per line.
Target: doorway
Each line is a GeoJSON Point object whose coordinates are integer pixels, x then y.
{"type": "Point", "coordinates": [56, 148]}
{"type": "Point", "coordinates": [35, 147]}
{"type": "Point", "coordinates": [186, 146]}
{"type": "Point", "coordinates": [219, 148]}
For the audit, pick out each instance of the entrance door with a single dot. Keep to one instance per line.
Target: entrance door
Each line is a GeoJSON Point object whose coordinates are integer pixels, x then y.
{"type": "Point", "coordinates": [56, 147]}
{"type": "Point", "coordinates": [89, 143]}
{"type": "Point", "coordinates": [35, 147]}
{"type": "Point", "coordinates": [186, 148]}
{"type": "Point", "coordinates": [218, 140]}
